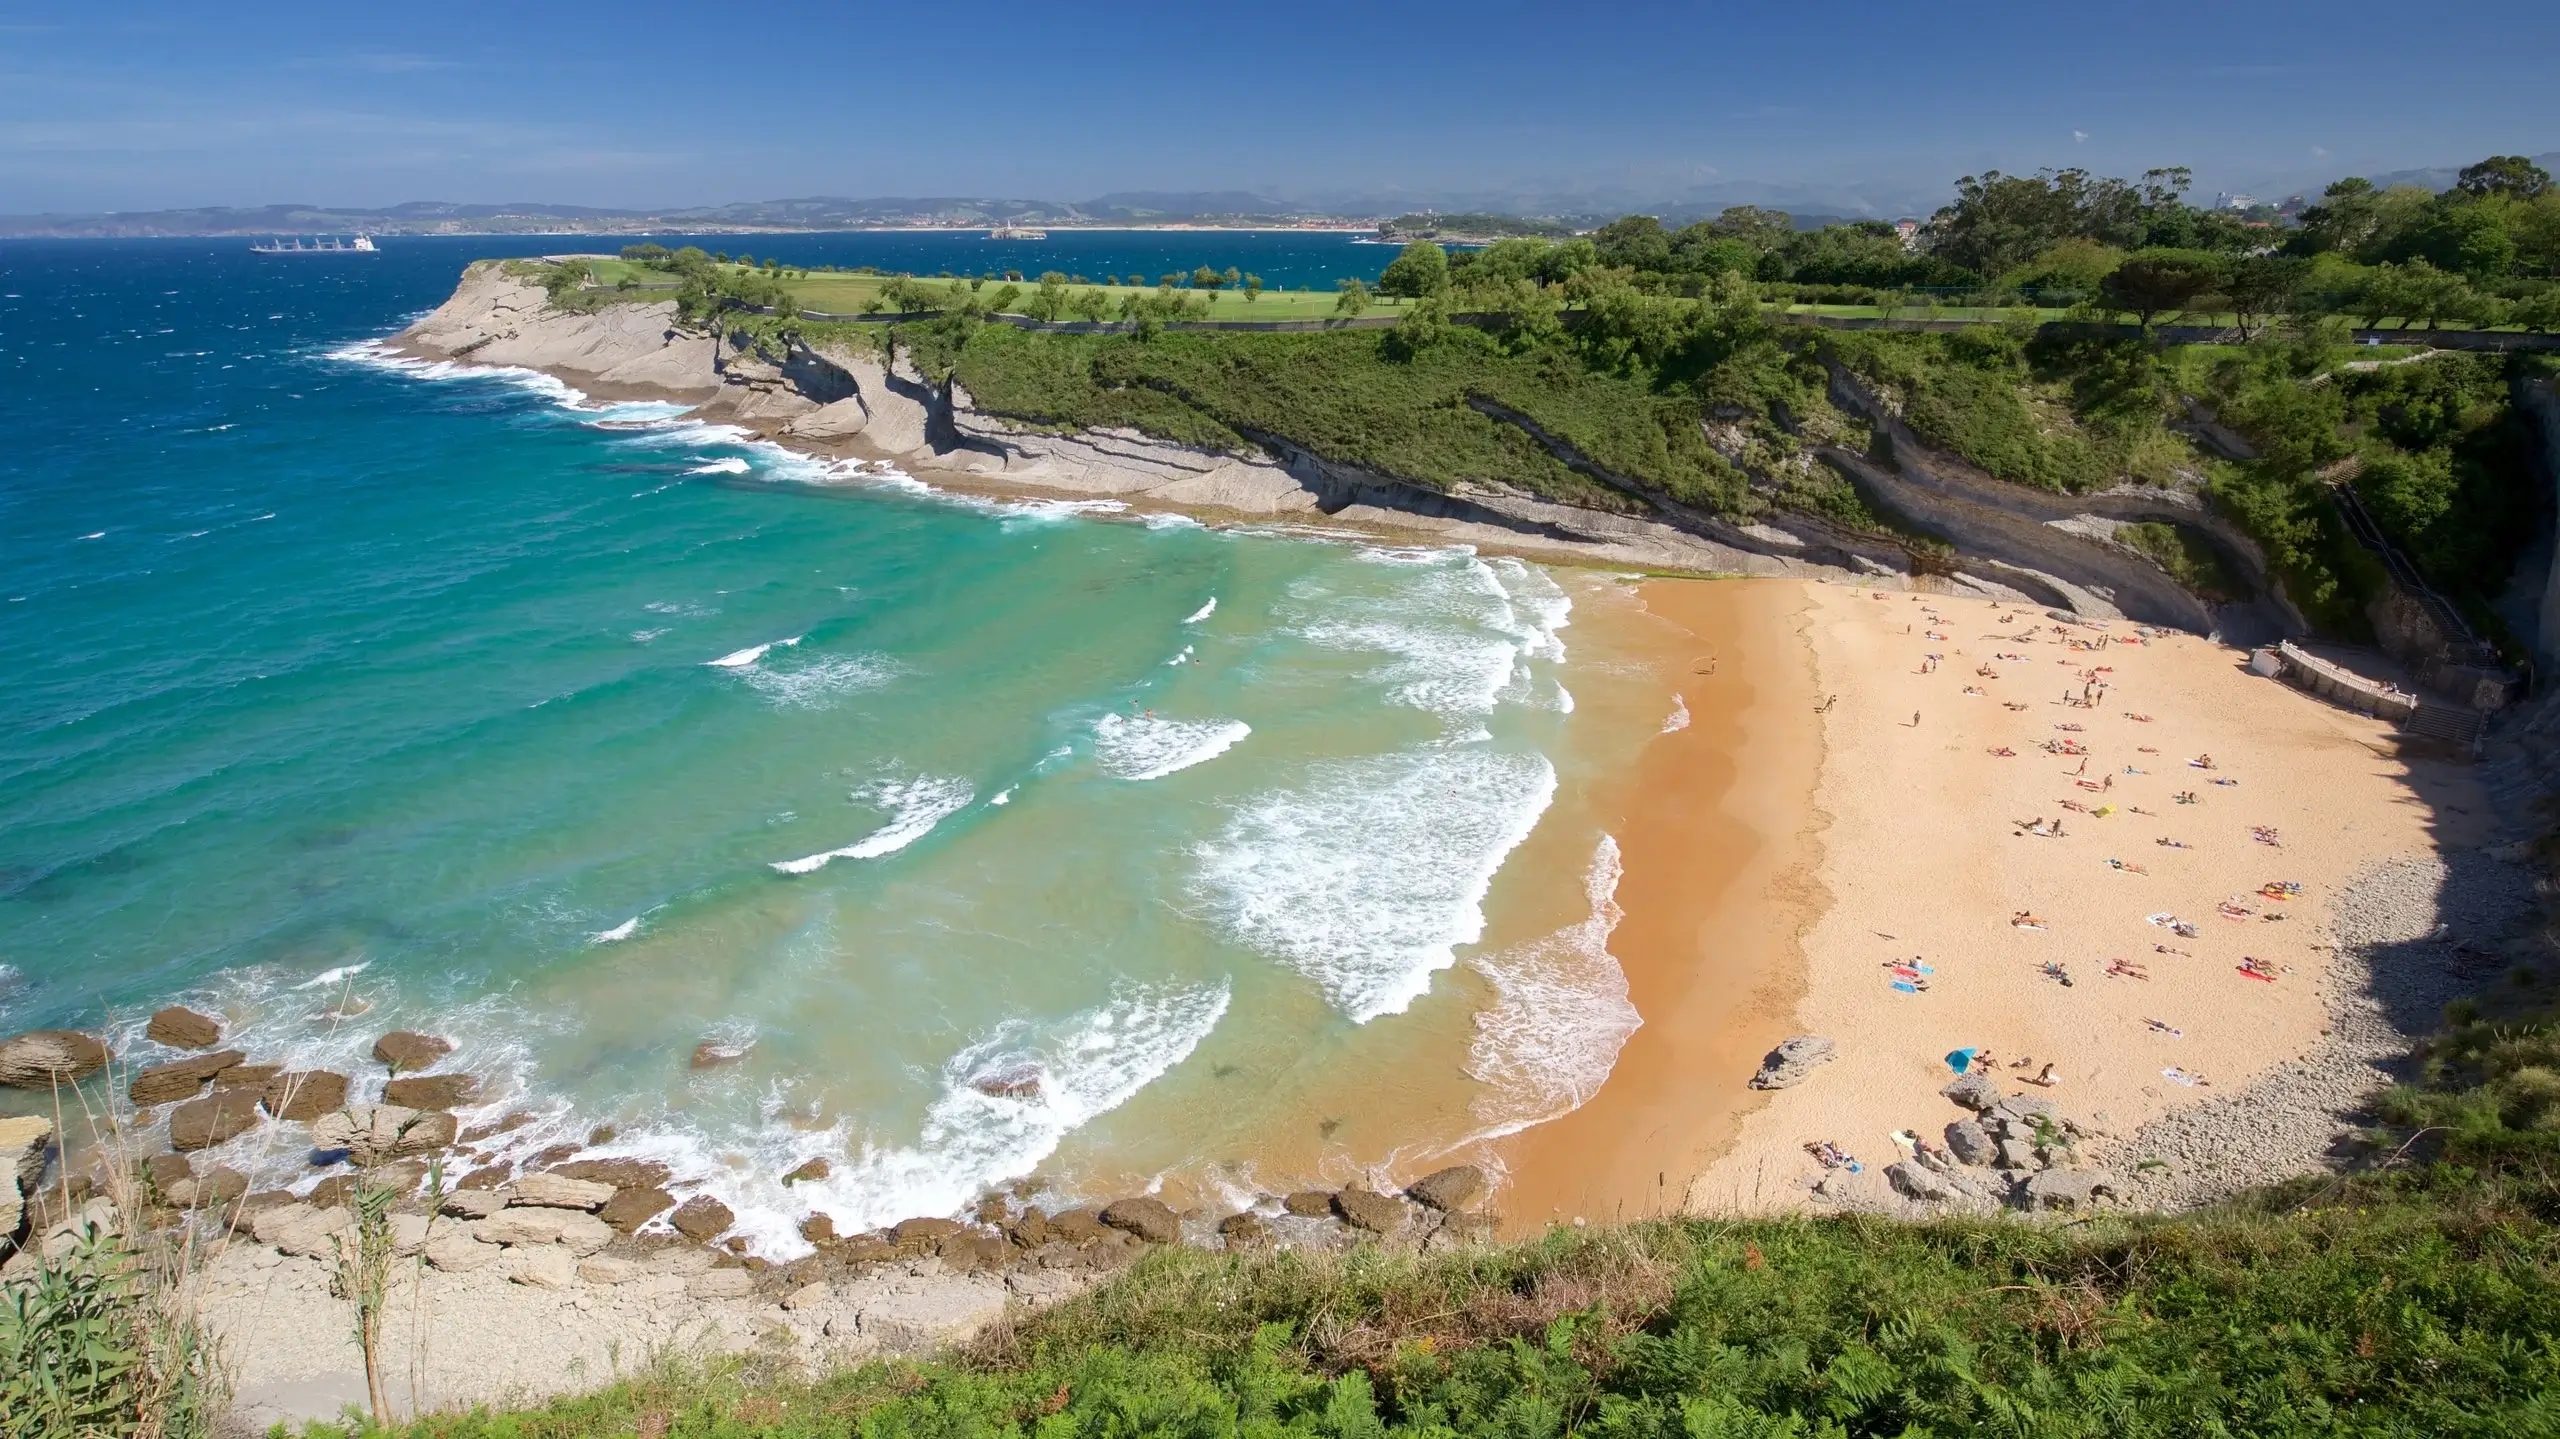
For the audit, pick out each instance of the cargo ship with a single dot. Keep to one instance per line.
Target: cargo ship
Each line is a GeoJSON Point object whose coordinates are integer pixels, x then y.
{"type": "Point", "coordinates": [362, 245]}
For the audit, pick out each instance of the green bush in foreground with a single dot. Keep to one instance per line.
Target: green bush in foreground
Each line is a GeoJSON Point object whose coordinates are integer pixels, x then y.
{"type": "Point", "coordinates": [2414, 1306]}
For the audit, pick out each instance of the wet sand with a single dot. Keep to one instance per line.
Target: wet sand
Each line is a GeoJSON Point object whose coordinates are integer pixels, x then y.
{"type": "Point", "coordinates": [1721, 844]}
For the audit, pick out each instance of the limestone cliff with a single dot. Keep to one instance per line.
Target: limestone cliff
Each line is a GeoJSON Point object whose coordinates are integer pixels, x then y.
{"type": "Point", "coordinates": [839, 399]}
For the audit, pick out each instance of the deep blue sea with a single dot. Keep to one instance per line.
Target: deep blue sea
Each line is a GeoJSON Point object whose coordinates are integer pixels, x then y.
{"type": "Point", "coordinates": [761, 809]}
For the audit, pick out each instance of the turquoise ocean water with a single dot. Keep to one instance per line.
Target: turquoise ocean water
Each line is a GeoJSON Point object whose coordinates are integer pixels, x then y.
{"type": "Point", "coordinates": [960, 842]}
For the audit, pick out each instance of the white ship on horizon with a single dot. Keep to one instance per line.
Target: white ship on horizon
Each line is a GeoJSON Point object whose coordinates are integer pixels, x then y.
{"type": "Point", "coordinates": [1016, 232]}
{"type": "Point", "coordinates": [362, 245]}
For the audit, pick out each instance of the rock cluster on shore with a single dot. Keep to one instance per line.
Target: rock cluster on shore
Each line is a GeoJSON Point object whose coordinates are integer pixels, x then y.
{"type": "Point", "coordinates": [555, 1217]}
{"type": "Point", "coordinates": [2018, 1151]}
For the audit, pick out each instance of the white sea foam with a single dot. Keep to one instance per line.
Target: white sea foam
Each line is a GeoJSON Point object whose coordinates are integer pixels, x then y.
{"type": "Point", "coordinates": [1560, 1017]}
{"type": "Point", "coordinates": [339, 975]}
{"type": "Point", "coordinates": [99, 535]}
{"type": "Point", "coordinates": [618, 933]}
{"type": "Point", "coordinates": [1167, 520]}
{"type": "Point", "coordinates": [1458, 638]}
{"type": "Point", "coordinates": [913, 807]}
{"type": "Point", "coordinates": [1202, 613]}
{"type": "Point", "coordinates": [1064, 1074]}
{"type": "Point", "coordinates": [1183, 658]}
{"type": "Point", "coordinates": [1141, 747]}
{"type": "Point", "coordinates": [1366, 874]}
{"type": "Point", "coordinates": [740, 659]}
{"type": "Point", "coordinates": [813, 681]}
{"type": "Point", "coordinates": [725, 465]}
{"type": "Point", "coordinates": [644, 636]}
{"type": "Point", "coordinates": [1679, 719]}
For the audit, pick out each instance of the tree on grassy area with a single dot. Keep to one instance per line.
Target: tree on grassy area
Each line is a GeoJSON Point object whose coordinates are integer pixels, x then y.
{"type": "Point", "coordinates": [2412, 292]}
{"type": "Point", "coordinates": [1351, 297]}
{"type": "Point", "coordinates": [2513, 176]}
{"type": "Point", "coordinates": [1092, 304]}
{"type": "Point", "coordinates": [1252, 288]}
{"type": "Point", "coordinates": [1050, 300]}
{"type": "Point", "coordinates": [646, 253]}
{"type": "Point", "coordinates": [1170, 281]}
{"type": "Point", "coordinates": [2152, 282]}
{"type": "Point", "coordinates": [1421, 269]}
{"type": "Point", "coordinates": [2260, 287]}
{"type": "Point", "coordinates": [1205, 278]}
{"type": "Point", "coordinates": [1004, 299]}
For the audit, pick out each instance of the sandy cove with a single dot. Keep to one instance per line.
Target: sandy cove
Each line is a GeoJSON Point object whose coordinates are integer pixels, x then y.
{"type": "Point", "coordinates": [1935, 726]}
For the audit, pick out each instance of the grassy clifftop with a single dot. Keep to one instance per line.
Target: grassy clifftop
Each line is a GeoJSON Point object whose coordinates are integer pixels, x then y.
{"type": "Point", "coordinates": [2424, 1300]}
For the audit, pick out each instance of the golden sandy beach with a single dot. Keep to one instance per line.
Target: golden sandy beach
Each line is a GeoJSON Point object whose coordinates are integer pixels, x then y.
{"type": "Point", "coordinates": [1844, 802]}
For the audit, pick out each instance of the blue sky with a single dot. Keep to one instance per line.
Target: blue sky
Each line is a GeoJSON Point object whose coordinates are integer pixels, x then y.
{"type": "Point", "coordinates": [151, 104]}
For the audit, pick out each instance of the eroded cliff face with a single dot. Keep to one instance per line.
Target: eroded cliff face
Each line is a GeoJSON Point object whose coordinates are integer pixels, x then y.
{"type": "Point", "coordinates": [841, 400]}
{"type": "Point", "coordinates": [493, 318]}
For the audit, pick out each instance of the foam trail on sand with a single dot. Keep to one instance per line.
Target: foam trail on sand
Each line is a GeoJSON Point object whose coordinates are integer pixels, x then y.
{"type": "Point", "coordinates": [740, 659]}
{"type": "Point", "coordinates": [1144, 747]}
{"type": "Point", "coordinates": [1366, 874]}
{"type": "Point", "coordinates": [914, 806]}
{"type": "Point", "coordinates": [1553, 1034]}
{"type": "Point", "coordinates": [1679, 719]}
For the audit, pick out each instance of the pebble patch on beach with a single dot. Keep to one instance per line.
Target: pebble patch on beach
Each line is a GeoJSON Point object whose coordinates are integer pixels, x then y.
{"type": "Point", "coordinates": [2412, 934]}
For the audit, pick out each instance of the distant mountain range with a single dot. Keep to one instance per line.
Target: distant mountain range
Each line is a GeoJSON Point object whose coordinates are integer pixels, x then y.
{"type": "Point", "coordinates": [435, 217]}
{"type": "Point", "coordinates": [1811, 204]}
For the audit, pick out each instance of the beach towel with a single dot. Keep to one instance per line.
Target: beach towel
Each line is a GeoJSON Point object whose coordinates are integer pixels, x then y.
{"type": "Point", "coordinates": [1961, 1060]}
{"type": "Point", "coordinates": [1906, 986]}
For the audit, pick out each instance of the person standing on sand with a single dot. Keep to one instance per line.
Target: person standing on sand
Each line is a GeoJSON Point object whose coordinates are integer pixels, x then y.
{"type": "Point", "coordinates": [1915, 719]}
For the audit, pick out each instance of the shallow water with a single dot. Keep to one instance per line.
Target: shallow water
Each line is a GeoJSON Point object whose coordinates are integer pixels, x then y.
{"type": "Point", "coordinates": [975, 840]}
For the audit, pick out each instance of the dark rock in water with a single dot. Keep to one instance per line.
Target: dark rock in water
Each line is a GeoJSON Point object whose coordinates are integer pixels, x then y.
{"type": "Point", "coordinates": [1455, 1187]}
{"type": "Point", "coordinates": [601, 1135]}
{"type": "Point", "coordinates": [204, 1123]}
{"type": "Point", "coordinates": [210, 1190]}
{"type": "Point", "coordinates": [489, 1177]}
{"type": "Point", "coordinates": [43, 1058]}
{"type": "Point", "coordinates": [701, 1218]}
{"type": "Point", "coordinates": [1245, 1231]}
{"type": "Point", "coordinates": [1150, 1219]}
{"type": "Point", "coordinates": [163, 1170]}
{"type": "Point", "coordinates": [493, 1129]}
{"type": "Point", "coordinates": [815, 1169]}
{"type": "Point", "coordinates": [1367, 1209]}
{"type": "Point", "coordinates": [407, 1051]}
{"type": "Point", "coordinates": [1792, 1060]}
{"type": "Point", "coordinates": [180, 1079]}
{"type": "Point", "coordinates": [305, 1094]}
{"type": "Point", "coordinates": [1971, 1143]}
{"type": "Point", "coordinates": [620, 1173]}
{"type": "Point", "coordinates": [628, 1209]}
{"type": "Point", "coordinates": [1974, 1091]}
{"type": "Point", "coordinates": [431, 1091]}
{"type": "Point", "coordinates": [711, 1053]}
{"type": "Point", "coordinates": [990, 1251]}
{"type": "Point", "coordinates": [1031, 1229]}
{"type": "Point", "coordinates": [1467, 1227]}
{"type": "Point", "coordinates": [1017, 1083]}
{"type": "Point", "coordinates": [1310, 1203]}
{"type": "Point", "coordinates": [247, 1076]}
{"type": "Point", "coordinates": [1076, 1226]}
{"type": "Point", "coordinates": [818, 1228]}
{"type": "Point", "coordinates": [550, 1158]}
{"type": "Point", "coordinates": [183, 1029]}
{"type": "Point", "coordinates": [906, 1230]}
